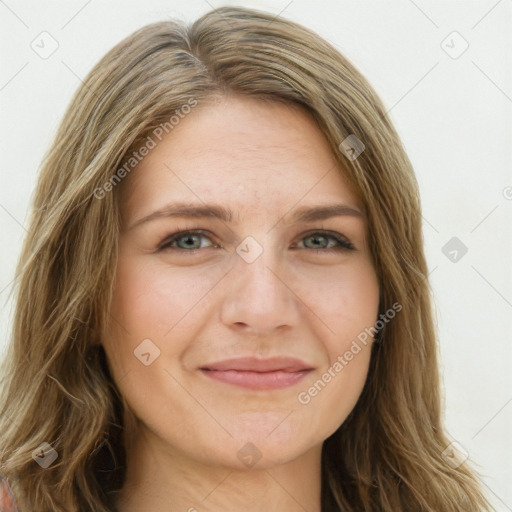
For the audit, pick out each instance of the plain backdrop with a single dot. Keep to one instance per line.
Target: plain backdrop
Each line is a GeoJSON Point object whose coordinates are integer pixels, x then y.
{"type": "Point", "coordinates": [451, 105]}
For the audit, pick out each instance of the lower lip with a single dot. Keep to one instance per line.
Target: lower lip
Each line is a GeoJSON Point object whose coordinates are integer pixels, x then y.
{"type": "Point", "coordinates": [257, 380]}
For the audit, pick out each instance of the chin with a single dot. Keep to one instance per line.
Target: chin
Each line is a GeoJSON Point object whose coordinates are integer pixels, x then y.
{"type": "Point", "coordinates": [263, 445]}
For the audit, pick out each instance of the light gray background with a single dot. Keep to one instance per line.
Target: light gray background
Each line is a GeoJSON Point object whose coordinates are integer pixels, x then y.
{"type": "Point", "coordinates": [454, 117]}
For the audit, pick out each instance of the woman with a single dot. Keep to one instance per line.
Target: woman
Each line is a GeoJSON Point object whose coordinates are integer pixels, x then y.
{"type": "Point", "coordinates": [223, 300]}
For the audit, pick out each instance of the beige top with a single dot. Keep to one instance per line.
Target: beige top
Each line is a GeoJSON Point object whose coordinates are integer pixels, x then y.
{"type": "Point", "coordinates": [7, 501]}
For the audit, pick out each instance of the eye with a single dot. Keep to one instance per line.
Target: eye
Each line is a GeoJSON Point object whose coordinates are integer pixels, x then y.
{"type": "Point", "coordinates": [323, 241]}
{"type": "Point", "coordinates": [185, 240]}
{"type": "Point", "coordinates": [326, 241]}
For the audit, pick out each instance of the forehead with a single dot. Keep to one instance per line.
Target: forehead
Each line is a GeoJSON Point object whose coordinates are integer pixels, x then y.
{"type": "Point", "coordinates": [249, 154]}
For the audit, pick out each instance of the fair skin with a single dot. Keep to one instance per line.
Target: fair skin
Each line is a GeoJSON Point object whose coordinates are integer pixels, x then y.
{"type": "Point", "coordinates": [199, 301]}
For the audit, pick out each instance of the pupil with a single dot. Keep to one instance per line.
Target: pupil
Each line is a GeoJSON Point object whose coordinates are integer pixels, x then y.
{"type": "Point", "coordinates": [189, 241]}
{"type": "Point", "coordinates": [317, 239]}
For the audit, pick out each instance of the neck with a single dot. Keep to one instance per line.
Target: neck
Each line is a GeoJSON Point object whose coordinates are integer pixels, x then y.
{"type": "Point", "coordinates": [161, 478]}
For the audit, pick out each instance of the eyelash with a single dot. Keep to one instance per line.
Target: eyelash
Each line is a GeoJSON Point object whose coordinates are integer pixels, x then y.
{"type": "Point", "coordinates": [344, 245]}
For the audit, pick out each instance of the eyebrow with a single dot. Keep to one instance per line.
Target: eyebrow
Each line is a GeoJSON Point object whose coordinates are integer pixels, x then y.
{"type": "Point", "coordinates": [303, 214]}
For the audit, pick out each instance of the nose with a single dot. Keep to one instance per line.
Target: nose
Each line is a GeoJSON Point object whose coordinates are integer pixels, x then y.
{"type": "Point", "coordinates": [259, 297]}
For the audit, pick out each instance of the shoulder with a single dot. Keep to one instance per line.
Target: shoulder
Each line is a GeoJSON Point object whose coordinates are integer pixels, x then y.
{"type": "Point", "coordinates": [7, 501]}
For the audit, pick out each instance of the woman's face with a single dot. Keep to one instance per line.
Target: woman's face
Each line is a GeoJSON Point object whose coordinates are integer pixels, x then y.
{"type": "Point", "coordinates": [234, 344]}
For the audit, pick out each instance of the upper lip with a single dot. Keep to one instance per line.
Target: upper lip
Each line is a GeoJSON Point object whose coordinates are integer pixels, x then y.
{"type": "Point", "coordinates": [248, 364]}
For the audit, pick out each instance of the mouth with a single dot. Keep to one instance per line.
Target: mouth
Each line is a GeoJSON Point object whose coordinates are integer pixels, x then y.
{"type": "Point", "coordinates": [260, 374]}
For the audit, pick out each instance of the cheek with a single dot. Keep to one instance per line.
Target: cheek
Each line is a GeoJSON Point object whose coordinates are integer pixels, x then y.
{"type": "Point", "coordinates": [345, 299]}
{"type": "Point", "coordinates": [347, 302]}
{"type": "Point", "coordinates": [156, 311]}
{"type": "Point", "coordinates": [152, 299]}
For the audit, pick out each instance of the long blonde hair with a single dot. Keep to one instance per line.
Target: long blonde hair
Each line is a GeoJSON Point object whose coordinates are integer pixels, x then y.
{"type": "Point", "coordinates": [57, 388]}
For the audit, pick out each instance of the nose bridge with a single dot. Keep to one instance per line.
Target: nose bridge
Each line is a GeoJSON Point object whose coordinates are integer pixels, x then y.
{"type": "Point", "coordinates": [259, 296]}
{"type": "Point", "coordinates": [260, 275]}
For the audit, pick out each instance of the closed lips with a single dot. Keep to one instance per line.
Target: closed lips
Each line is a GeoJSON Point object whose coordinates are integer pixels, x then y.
{"type": "Point", "coordinates": [258, 374]}
{"type": "Point", "coordinates": [251, 364]}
